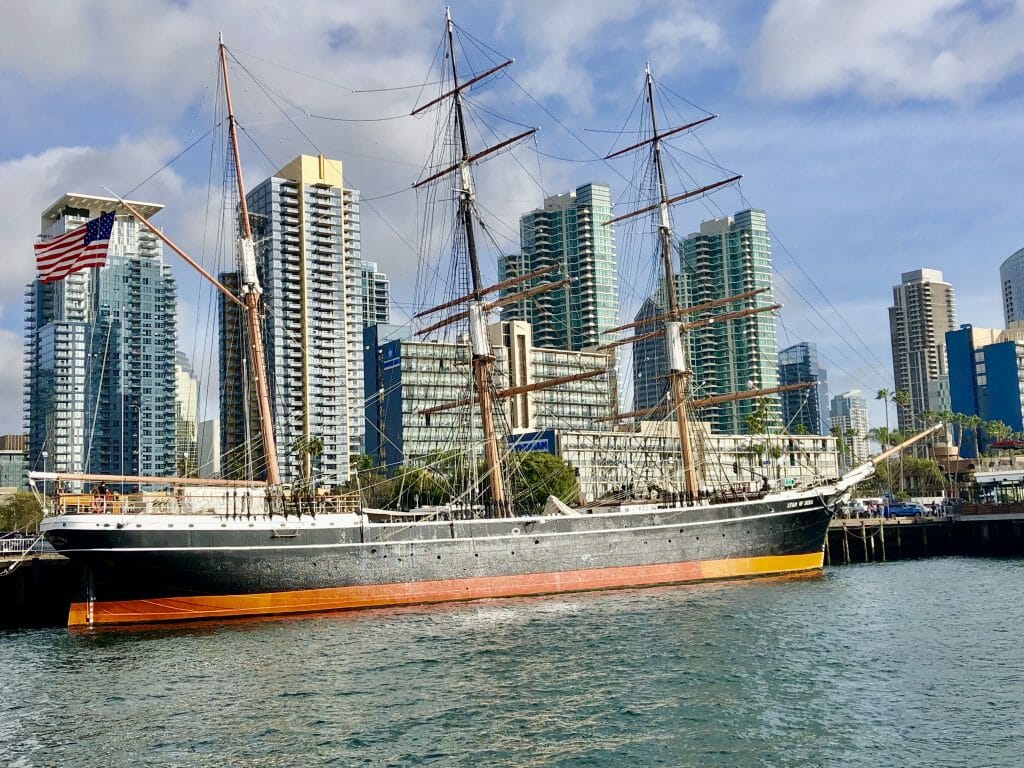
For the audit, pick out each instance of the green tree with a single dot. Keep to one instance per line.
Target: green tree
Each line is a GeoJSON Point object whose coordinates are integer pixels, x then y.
{"type": "Point", "coordinates": [308, 450]}
{"type": "Point", "coordinates": [883, 395]}
{"type": "Point", "coordinates": [538, 474]}
{"type": "Point", "coordinates": [20, 512]}
{"type": "Point", "coordinates": [996, 430]}
{"type": "Point", "coordinates": [972, 424]}
{"type": "Point", "coordinates": [360, 462]}
{"type": "Point", "coordinates": [904, 401]}
{"type": "Point", "coordinates": [837, 432]}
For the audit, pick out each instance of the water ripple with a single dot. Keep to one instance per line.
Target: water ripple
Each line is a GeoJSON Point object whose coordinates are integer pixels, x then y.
{"type": "Point", "coordinates": [909, 664]}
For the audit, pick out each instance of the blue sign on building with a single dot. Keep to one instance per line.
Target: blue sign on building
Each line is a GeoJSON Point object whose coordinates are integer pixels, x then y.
{"type": "Point", "coordinates": [534, 441]}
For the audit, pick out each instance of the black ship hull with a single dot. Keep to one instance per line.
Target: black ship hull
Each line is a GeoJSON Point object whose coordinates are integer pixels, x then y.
{"type": "Point", "coordinates": [175, 568]}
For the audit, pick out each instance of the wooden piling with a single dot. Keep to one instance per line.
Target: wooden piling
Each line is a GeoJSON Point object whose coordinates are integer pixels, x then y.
{"type": "Point", "coordinates": [864, 539]}
{"type": "Point", "coordinates": [881, 536]}
{"type": "Point", "coordinates": [846, 545]}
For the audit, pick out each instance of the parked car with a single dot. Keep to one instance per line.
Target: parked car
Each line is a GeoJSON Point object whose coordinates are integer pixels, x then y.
{"type": "Point", "coordinates": [905, 509]}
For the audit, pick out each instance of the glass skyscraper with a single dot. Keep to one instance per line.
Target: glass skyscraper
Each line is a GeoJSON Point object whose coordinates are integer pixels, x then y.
{"type": "Point", "coordinates": [100, 353]}
{"type": "Point", "coordinates": [569, 232]}
{"type": "Point", "coordinates": [1011, 278]}
{"type": "Point", "coordinates": [804, 410]}
{"type": "Point", "coordinates": [728, 256]}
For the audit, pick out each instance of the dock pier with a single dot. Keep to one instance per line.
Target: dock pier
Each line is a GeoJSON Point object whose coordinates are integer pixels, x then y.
{"type": "Point", "coordinates": [876, 540]}
{"type": "Point", "coordinates": [36, 585]}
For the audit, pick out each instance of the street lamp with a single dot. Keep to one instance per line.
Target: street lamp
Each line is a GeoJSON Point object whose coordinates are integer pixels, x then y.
{"type": "Point", "coordinates": [45, 455]}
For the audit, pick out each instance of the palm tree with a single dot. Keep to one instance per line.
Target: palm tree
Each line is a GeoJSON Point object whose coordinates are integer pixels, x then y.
{"type": "Point", "coordinates": [883, 395]}
{"type": "Point", "coordinates": [904, 401]}
{"type": "Point", "coordinates": [996, 430]}
{"type": "Point", "coordinates": [850, 434]}
{"type": "Point", "coordinates": [973, 423]}
{"type": "Point", "coordinates": [837, 433]}
{"type": "Point", "coordinates": [308, 449]}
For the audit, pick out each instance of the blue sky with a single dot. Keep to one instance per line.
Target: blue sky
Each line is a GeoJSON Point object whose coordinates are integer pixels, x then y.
{"type": "Point", "coordinates": [879, 137]}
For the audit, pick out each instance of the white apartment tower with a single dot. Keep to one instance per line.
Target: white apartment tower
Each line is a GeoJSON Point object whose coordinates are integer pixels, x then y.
{"type": "Point", "coordinates": [923, 311]}
{"type": "Point", "coordinates": [307, 232]}
{"type": "Point", "coordinates": [376, 296]}
{"type": "Point", "coordinates": [849, 413]}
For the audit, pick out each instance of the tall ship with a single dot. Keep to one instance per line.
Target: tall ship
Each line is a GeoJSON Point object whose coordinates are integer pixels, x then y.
{"type": "Point", "coordinates": [190, 549]}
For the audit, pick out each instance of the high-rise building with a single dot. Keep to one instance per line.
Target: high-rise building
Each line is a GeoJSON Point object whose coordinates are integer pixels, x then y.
{"type": "Point", "coordinates": [731, 255]}
{"type": "Point", "coordinates": [986, 379]}
{"type": "Point", "coordinates": [306, 225]}
{"type": "Point", "coordinates": [923, 311]}
{"type": "Point", "coordinates": [409, 376]}
{"type": "Point", "coordinates": [186, 409]}
{"type": "Point", "coordinates": [568, 233]}
{"type": "Point", "coordinates": [13, 466]}
{"type": "Point", "coordinates": [209, 448]}
{"type": "Point", "coordinates": [804, 410]}
{"type": "Point", "coordinates": [849, 414]}
{"type": "Point", "coordinates": [1011, 277]}
{"type": "Point", "coordinates": [376, 298]}
{"type": "Point", "coordinates": [650, 361]}
{"type": "Point", "coordinates": [100, 351]}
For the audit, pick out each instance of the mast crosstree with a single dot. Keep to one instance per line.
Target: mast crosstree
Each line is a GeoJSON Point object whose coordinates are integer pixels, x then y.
{"type": "Point", "coordinates": [482, 357]}
{"type": "Point", "coordinates": [674, 328]}
{"type": "Point", "coordinates": [248, 280]}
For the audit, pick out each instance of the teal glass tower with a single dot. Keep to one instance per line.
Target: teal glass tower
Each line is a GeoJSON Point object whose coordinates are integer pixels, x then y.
{"type": "Point", "coordinates": [100, 353]}
{"type": "Point", "coordinates": [729, 256]}
{"type": "Point", "coordinates": [569, 233]}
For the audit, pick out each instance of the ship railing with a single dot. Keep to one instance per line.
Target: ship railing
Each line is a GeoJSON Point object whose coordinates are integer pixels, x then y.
{"type": "Point", "coordinates": [228, 502]}
{"type": "Point", "coordinates": [19, 545]}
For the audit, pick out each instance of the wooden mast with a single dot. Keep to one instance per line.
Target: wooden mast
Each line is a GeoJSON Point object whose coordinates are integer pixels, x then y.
{"type": "Point", "coordinates": [482, 356]}
{"type": "Point", "coordinates": [251, 290]}
{"type": "Point", "coordinates": [673, 328]}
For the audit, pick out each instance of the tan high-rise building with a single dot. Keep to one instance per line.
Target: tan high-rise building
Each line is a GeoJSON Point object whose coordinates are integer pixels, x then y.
{"type": "Point", "coordinates": [923, 310]}
{"type": "Point", "coordinates": [306, 225]}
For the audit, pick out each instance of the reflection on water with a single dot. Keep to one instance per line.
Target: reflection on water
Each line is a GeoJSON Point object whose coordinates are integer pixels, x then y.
{"type": "Point", "coordinates": [908, 664]}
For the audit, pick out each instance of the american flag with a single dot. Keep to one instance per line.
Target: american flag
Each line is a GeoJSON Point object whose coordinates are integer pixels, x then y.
{"type": "Point", "coordinates": [80, 248]}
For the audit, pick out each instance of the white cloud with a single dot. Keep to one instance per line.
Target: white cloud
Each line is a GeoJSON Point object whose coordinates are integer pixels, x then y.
{"type": "Point", "coordinates": [887, 51]}
{"type": "Point", "coordinates": [683, 37]}
{"type": "Point", "coordinates": [567, 43]}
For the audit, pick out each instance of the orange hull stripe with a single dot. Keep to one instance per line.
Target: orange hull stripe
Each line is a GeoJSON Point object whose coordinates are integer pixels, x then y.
{"type": "Point", "coordinates": [411, 593]}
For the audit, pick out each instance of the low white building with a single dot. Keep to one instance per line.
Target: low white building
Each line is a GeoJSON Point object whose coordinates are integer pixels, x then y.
{"type": "Point", "coordinates": [644, 459]}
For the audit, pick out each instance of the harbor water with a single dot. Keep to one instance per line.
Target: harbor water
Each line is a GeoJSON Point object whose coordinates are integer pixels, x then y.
{"type": "Point", "coordinates": [914, 663]}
